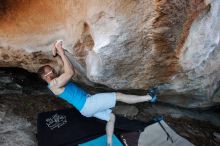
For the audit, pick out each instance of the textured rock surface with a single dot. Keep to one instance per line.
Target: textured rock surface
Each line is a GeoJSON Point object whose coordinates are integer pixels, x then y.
{"type": "Point", "coordinates": [124, 44]}
{"type": "Point", "coordinates": [15, 130]}
{"type": "Point", "coordinates": [126, 110]}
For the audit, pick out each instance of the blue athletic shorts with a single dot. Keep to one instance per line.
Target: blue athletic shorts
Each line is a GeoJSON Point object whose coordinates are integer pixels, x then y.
{"type": "Point", "coordinates": [99, 105]}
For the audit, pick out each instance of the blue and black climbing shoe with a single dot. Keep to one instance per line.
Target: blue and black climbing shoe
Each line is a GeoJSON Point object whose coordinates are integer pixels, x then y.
{"type": "Point", "coordinates": [153, 93]}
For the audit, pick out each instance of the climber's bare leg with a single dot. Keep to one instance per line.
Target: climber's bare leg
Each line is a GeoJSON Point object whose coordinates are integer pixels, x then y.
{"type": "Point", "coordinates": [110, 129]}
{"type": "Point", "coordinates": [132, 99]}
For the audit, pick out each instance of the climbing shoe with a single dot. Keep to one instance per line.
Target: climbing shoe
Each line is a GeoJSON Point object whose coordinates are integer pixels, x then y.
{"type": "Point", "coordinates": [152, 92]}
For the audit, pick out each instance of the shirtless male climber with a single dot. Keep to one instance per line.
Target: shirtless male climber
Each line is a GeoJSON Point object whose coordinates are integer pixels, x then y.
{"type": "Point", "coordinates": [98, 105]}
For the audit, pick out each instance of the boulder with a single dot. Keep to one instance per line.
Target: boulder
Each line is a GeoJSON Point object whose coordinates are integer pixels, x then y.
{"type": "Point", "coordinates": [123, 44]}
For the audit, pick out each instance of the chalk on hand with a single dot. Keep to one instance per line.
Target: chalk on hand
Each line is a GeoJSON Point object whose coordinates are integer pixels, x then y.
{"type": "Point", "coordinates": [54, 50]}
{"type": "Point", "coordinates": [59, 41]}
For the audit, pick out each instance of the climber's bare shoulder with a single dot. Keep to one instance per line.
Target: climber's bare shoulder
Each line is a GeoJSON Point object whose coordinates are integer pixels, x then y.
{"type": "Point", "coordinates": [63, 79]}
{"type": "Point", "coordinates": [55, 88]}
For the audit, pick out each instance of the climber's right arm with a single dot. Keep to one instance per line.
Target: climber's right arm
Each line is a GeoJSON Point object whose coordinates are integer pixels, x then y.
{"type": "Point", "coordinates": [68, 68]}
